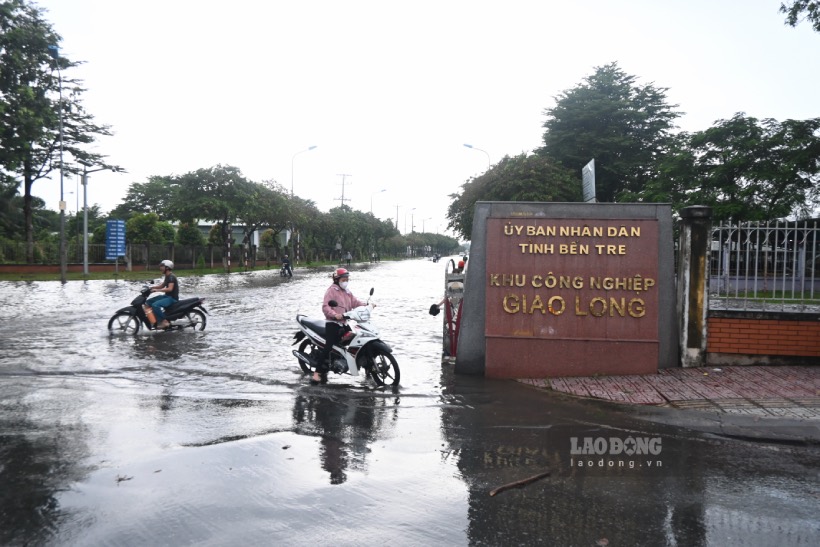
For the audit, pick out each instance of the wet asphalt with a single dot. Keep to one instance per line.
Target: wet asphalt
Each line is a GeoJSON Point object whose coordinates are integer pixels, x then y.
{"type": "Point", "coordinates": [216, 438]}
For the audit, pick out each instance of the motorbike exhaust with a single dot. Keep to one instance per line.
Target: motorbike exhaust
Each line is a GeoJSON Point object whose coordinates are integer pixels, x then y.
{"type": "Point", "coordinates": [302, 357]}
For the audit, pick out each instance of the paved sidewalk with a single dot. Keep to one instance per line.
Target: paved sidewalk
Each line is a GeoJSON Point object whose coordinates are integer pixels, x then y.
{"type": "Point", "coordinates": [761, 391]}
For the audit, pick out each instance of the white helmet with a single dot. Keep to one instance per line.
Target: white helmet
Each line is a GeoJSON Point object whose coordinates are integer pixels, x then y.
{"type": "Point", "coordinates": [168, 264]}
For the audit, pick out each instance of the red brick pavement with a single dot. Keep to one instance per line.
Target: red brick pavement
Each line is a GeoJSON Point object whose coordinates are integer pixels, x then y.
{"type": "Point", "coordinates": [769, 390]}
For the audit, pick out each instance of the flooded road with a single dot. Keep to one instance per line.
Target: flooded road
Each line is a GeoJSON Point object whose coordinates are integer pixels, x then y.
{"type": "Point", "coordinates": [216, 437]}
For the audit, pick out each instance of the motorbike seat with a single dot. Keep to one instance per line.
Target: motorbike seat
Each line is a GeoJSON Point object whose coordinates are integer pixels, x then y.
{"type": "Point", "coordinates": [316, 325]}
{"type": "Point", "coordinates": [181, 304]}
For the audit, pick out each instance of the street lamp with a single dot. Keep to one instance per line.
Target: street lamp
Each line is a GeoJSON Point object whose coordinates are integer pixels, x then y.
{"type": "Point", "coordinates": [422, 223]}
{"type": "Point", "coordinates": [54, 51]}
{"type": "Point", "coordinates": [309, 148]}
{"type": "Point", "coordinates": [85, 210]}
{"type": "Point", "coordinates": [405, 219]}
{"type": "Point", "coordinates": [371, 198]}
{"type": "Point", "coordinates": [479, 149]}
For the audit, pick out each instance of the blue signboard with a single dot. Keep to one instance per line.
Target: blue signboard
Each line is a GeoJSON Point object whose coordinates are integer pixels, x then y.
{"type": "Point", "coordinates": [114, 239]}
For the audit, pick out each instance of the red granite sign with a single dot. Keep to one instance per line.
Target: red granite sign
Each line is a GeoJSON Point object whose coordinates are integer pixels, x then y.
{"type": "Point", "coordinates": [571, 297]}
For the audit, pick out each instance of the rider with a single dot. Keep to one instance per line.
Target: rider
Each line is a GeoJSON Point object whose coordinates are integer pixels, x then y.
{"type": "Point", "coordinates": [336, 324]}
{"type": "Point", "coordinates": [286, 266]}
{"type": "Point", "coordinates": [168, 286]}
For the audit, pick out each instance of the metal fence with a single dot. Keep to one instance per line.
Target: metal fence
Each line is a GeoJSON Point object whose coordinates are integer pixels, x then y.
{"type": "Point", "coordinates": [767, 266]}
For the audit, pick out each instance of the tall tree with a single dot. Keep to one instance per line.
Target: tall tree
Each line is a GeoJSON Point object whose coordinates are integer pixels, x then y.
{"type": "Point", "coordinates": [153, 196]}
{"type": "Point", "coordinates": [745, 169]}
{"type": "Point", "coordinates": [34, 99]}
{"type": "Point", "coordinates": [625, 127]}
{"type": "Point", "coordinates": [218, 193]}
{"type": "Point", "coordinates": [794, 12]}
{"type": "Point", "coordinates": [519, 178]}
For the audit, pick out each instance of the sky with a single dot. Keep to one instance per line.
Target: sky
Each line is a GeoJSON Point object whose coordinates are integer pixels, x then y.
{"type": "Point", "coordinates": [389, 92]}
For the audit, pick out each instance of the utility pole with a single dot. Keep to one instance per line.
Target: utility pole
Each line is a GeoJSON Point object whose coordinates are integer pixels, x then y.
{"type": "Point", "coordinates": [397, 217]}
{"type": "Point", "coordinates": [342, 199]}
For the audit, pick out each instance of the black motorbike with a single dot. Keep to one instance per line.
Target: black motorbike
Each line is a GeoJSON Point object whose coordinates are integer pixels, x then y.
{"type": "Point", "coordinates": [188, 313]}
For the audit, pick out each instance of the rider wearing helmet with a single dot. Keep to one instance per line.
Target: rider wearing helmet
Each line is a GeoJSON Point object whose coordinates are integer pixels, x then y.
{"type": "Point", "coordinates": [170, 288]}
{"type": "Point", "coordinates": [336, 323]}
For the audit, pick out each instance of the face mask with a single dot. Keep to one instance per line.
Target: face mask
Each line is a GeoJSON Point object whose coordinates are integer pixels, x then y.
{"type": "Point", "coordinates": [343, 285]}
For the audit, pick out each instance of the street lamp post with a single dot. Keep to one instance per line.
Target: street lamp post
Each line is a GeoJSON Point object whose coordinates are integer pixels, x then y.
{"type": "Point", "coordinates": [405, 219]}
{"type": "Point", "coordinates": [54, 51]}
{"type": "Point", "coordinates": [86, 171]}
{"type": "Point", "coordinates": [292, 227]}
{"type": "Point", "coordinates": [479, 149]}
{"type": "Point", "coordinates": [371, 198]}
{"type": "Point", "coordinates": [309, 148]}
{"type": "Point", "coordinates": [422, 223]}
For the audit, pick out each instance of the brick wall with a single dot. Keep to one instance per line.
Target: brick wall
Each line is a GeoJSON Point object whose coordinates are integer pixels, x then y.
{"type": "Point", "coordinates": [762, 338]}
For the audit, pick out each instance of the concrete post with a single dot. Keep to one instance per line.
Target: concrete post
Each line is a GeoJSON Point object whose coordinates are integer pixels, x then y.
{"type": "Point", "coordinates": [693, 283]}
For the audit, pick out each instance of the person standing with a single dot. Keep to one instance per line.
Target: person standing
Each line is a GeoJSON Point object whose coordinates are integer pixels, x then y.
{"type": "Point", "coordinates": [348, 257]}
{"type": "Point", "coordinates": [336, 324]}
{"type": "Point", "coordinates": [169, 286]}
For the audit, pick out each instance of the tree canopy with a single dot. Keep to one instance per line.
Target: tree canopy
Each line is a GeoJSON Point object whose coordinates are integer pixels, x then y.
{"type": "Point", "coordinates": [794, 12]}
{"type": "Point", "coordinates": [744, 168]}
{"type": "Point", "coordinates": [36, 99]}
{"type": "Point", "coordinates": [525, 177]}
{"type": "Point", "coordinates": [625, 127]}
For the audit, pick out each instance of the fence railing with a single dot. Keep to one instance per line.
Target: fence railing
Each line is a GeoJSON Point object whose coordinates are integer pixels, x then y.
{"type": "Point", "coordinates": [770, 266]}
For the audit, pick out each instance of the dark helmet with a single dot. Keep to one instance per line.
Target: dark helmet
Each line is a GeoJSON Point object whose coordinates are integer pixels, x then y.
{"type": "Point", "coordinates": [340, 273]}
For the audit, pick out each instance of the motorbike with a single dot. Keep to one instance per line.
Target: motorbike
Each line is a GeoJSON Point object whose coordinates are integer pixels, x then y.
{"type": "Point", "coordinates": [285, 271]}
{"type": "Point", "coordinates": [187, 313]}
{"type": "Point", "coordinates": [359, 349]}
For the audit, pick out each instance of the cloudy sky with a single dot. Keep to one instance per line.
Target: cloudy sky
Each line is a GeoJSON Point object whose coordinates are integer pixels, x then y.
{"type": "Point", "coordinates": [389, 92]}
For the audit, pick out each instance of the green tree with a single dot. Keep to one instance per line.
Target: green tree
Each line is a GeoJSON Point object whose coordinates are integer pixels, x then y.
{"type": "Point", "coordinates": [35, 99]}
{"type": "Point", "coordinates": [147, 229]}
{"type": "Point", "coordinates": [265, 207]}
{"type": "Point", "coordinates": [794, 12]}
{"type": "Point", "coordinates": [518, 178]}
{"type": "Point", "coordinates": [154, 196]}
{"type": "Point", "coordinates": [188, 233]}
{"type": "Point", "coordinates": [218, 193]}
{"type": "Point", "coordinates": [745, 169]}
{"type": "Point", "coordinates": [625, 127]}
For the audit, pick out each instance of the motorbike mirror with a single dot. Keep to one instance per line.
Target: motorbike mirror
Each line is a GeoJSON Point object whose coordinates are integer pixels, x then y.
{"type": "Point", "coordinates": [332, 303]}
{"type": "Point", "coordinates": [371, 291]}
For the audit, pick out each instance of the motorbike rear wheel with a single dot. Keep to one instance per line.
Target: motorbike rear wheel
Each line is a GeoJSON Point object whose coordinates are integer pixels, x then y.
{"type": "Point", "coordinates": [196, 320]}
{"type": "Point", "coordinates": [124, 322]}
{"type": "Point", "coordinates": [308, 348]}
{"type": "Point", "coordinates": [383, 368]}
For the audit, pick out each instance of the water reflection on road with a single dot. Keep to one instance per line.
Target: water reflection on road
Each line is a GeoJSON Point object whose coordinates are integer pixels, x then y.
{"type": "Point", "coordinates": [216, 438]}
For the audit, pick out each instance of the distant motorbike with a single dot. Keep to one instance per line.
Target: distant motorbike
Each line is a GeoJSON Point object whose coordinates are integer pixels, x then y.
{"type": "Point", "coordinates": [360, 349]}
{"type": "Point", "coordinates": [285, 271]}
{"type": "Point", "coordinates": [188, 313]}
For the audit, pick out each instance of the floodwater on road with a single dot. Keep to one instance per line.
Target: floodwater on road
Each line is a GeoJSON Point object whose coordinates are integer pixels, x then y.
{"type": "Point", "coordinates": [216, 437]}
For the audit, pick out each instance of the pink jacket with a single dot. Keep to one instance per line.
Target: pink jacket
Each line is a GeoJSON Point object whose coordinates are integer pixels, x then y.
{"type": "Point", "coordinates": [345, 302]}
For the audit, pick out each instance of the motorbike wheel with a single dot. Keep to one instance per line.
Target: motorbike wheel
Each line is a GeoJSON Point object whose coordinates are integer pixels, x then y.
{"type": "Point", "coordinates": [307, 348]}
{"type": "Point", "coordinates": [383, 368]}
{"type": "Point", "coordinates": [196, 320]}
{"type": "Point", "coordinates": [125, 323]}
